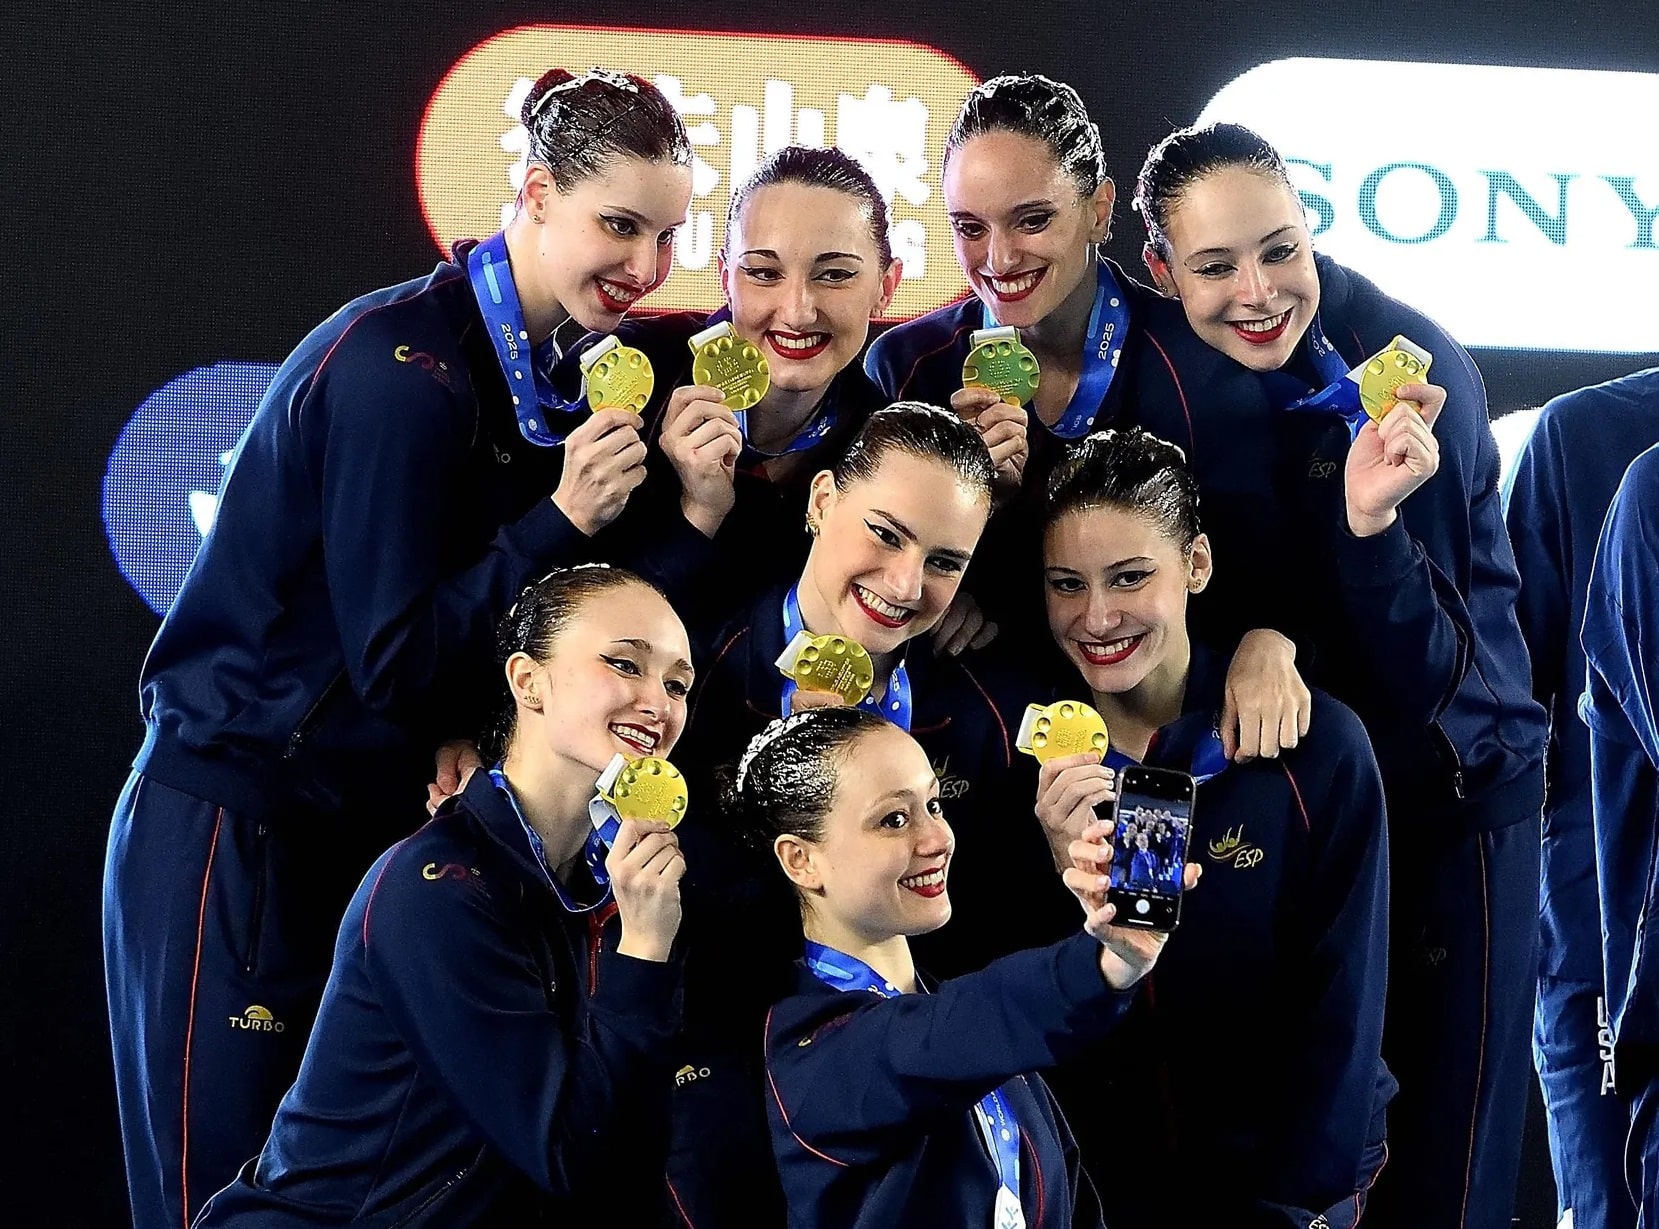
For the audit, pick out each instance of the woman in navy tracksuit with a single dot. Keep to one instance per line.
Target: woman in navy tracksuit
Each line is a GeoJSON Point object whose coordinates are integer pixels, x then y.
{"type": "Point", "coordinates": [894, 1101]}
{"type": "Point", "coordinates": [493, 1047]}
{"type": "Point", "coordinates": [1555, 500]}
{"type": "Point", "coordinates": [1247, 1081]}
{"type": "Point", "coordinates": [383, 508]}
{"type": "Point", "coordinates": [1030, 203]}
{"type": "Point", "coordinates": [807, 263]}
{"type": "Point", "coordinates": [1403, 609]}
{"type": "Point", "coordinates": [893, 524]}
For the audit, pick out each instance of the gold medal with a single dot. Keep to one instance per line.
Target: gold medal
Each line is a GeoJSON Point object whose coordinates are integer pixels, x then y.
{"type": "Point", "coordinates": [619, 377]}
{"type": "Point", "coordinates": [829, 663]}
{"type": "Point", "coordinates": [723, 360]}
{"type": "Point", "coordinates": [1403, 362]}
{"type": "Point", "coordinates": [1067, 727]}
{"type": "Point", "coordinates": [1001, 363]}
{"type": "Point", "coordinates": [646, 788]}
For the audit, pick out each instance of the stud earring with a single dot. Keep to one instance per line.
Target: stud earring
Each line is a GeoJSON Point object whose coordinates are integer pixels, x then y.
{"type": "Point", "coordinates": [811, 525]}
{"type": "Point", "coordinates": [532, 700]}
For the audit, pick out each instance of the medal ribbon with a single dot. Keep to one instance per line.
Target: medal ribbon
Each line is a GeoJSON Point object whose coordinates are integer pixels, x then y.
{"type": "Point", "coordinates": [1340, 396]}
{"type": "Point", "coordinates": [996, 1116]}
{"type": "Point", "coordinates": [593, 852]}
{"type": "Point", "coordinates": [821, 423]}
{"type": "Point", "coordinates": [1102, 344]}
{"type": "Point", "coordinates": [1209, 758]}
{"type": "Point", "coordinates": [894, 703]}
{"type": "Point", "coordinates": [529, 371]}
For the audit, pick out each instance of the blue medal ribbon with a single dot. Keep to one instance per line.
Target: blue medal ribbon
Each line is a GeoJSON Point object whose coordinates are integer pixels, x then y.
{"type": "Point", "coordinates": [593, 852]}
{"type": "Point", "coordinates": [996, 1117]}
{"type": "Point", "coordinates": [894, 703]}
{"type": "Point", "coordinates": [1102, 345]}
{"type": "Point", "coordinates": [529, 370]}
{"type": "Point", "coordinates": [822, 422]}
{"type": "Point", "coordinates": [1209, 758]}
{"type": "Point", "coordinates": [1340, 396]}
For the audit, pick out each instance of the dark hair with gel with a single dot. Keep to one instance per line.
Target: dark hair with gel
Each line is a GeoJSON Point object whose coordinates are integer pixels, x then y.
{"type": "Point", "coordinates": [919, 430]}
{"type": "Point", "coordinates": [543, 610]}
{"type": "Point", "coordinates": [785, 784]}
{"type": "Point", "coordinates": [819, 168]}
{"type": "Point", "coordinates": [578, 124]}
{"type": "Point", "coordinates": [1129, 469]}
{"type": "Point", "coordinates": [1189, 154]}
{"type": "Point", "coordinates": [1040, 108]}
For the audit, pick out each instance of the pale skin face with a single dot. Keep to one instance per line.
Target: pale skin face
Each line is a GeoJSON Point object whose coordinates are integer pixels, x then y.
{"type": "Point", "coordinates": [1241, 262]}
{"type": "Point", "coordinates": [1021, 226]}
{"type": "Point", "coordinates": [878, 873]}
{"type": "Point", "coordinates": [804, 279]}
{"type": "Point", "coordinates": [1116, 587]}
{"type": "Point", "coordinates": [599, 246]}
{"type": "Point", "coordinates": [890, 550]}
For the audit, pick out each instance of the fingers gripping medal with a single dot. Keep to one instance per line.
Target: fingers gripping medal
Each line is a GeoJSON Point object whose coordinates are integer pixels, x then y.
{"type": "Point", "coordinates": [646, 788]}
{"type": "Point", "coordinates": [1000, 362]}
{"type": "Point", "coordinates": [1402, 362]}
{"type": "Point", "coordinates": [619, 377]}
{"type": "Point", "coordinates": [1067, 727]}
{"type": "Point", "coordinates": [723, 360]}
{"type": "Point", "coordinates": [829, 663]}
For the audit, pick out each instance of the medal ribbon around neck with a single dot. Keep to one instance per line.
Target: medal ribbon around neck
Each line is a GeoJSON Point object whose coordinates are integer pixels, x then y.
{"type": "Point", "coordinates": [1340, 396]}
{"type": "Point", "coordinates": [528, 369]}
{"type": "Point", "coordinates": [822, 422]}
{"type": "Point", "coordinates": [894, 703]}
{"type": "Point", "coordinates": [996, 1117]}
{"type": "Point", "coordinates": [1209, 758]}
{"type": "Point", "coordinates": [593, 852]}
{"type": "Point", "coordinates": [1102, 345]}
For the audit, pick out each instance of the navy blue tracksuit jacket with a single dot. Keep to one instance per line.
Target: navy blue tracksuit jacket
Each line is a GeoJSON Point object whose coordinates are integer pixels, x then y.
{"type": "Point", "coordinates": [1621, 642]}
{"type": "Point", "coordinates": [1415, 629]}
{"type": "Point", "coordinates": [481, 1056]}
{"type": "Point", "coordinates": [1246, 1085]}
{"type": "Point", "coordinates": [1556, 499]}
{"type": "Point", "coordinates": [871, 1100]}
{"type": "Point", "coordinates": [742, 927]}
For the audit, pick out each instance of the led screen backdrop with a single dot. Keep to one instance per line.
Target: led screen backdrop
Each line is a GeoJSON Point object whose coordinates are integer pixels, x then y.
{"type": "Point", "coordinates": [191, 187]}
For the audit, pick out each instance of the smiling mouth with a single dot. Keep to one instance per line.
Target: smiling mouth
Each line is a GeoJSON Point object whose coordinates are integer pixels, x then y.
{"type": "Point", "coordinates": [928, 884]}
{"type": "Point", "coordinates": [641, 740]}
{"type": "Point", "coordinates": [618, 296]}
{"type": "Point", "coordinates": [884, 613]}
{"type": "Point", "coordinates": [1012, 289]}
{"type": "Point", "coordinates": [1109, 652]}
{"type": "Point", "coordinates": [1261, 332]}
{"type": "Point", "coordinates": [798, 346]}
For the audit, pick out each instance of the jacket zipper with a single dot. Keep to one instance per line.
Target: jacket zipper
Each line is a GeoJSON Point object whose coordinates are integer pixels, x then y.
{"type": "Point", "coordinates": [310, 721]}
{"type": "Point", "coordinates": [1449, 752]}
{"type": "Point", "coordinates": [250, 958]}
{"type": "Point", "coordinates": [432, 1198]}
{"type": "Point", "coordinates": [597, 921]}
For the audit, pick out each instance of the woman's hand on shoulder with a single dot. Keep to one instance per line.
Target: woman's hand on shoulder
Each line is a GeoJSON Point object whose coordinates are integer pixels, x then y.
{"type": "Point", "coordinates": [1127, 953]}
{"type": "Point", "coordinates": [456, 761]}
{"type": "Point", "coordinates": [1266, 706]}
{"type": "Point", "coordinates": [963, 626]}
{"type": "Point", "coordinates": [646, 866]}
{"type": "Point", "coordinates": [1390, 459]}
{"type": "Point", "coordinates": [701, 439]}
{"type": "Point", "coordinates": [604, 461]}
{"type": "Point", "coordinates": [1069, 789]}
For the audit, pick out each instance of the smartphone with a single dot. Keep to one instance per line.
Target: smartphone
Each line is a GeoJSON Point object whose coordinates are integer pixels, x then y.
{"type": "Point", "coordinates": [1150, 825]}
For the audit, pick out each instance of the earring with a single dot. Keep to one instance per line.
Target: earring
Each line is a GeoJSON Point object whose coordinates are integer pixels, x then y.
{"type": "Point", "coordinates": [532, 700]}
{"type": "Point", "coordinates": [536, 218]}
{"type": "Point", "coordinates": [811, 525]}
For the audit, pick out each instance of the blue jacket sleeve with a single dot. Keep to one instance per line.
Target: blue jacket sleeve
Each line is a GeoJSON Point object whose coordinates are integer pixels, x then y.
{"type": "Point", "coordinates": [1404, 605]}
{"type": "Point", "coordinates": [1535, 509]}
{"type": "Point", "coordinates": [383, 442]}
{"type": "Point", "coordinates": [466, 997]}
{"type": "Point", "coordinates": [1324, 1122]}
{"type": "Point", "coordinates": [856, 1085]}
{"type": "Point", "coordinates": [880, 364]}
{"type": "Point", "coordinates": [1621, 621]}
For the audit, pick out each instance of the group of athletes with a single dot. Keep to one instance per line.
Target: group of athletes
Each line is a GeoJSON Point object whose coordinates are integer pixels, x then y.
{"type": "Point", "coordinates": [439, 573]}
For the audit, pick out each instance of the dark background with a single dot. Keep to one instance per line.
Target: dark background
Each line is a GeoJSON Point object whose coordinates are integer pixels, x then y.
{"type": "Point", "coordinates": [185, 183]}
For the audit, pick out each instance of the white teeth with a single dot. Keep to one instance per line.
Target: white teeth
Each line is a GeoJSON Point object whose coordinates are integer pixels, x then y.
{"type": "Point", "coordinates": [924, 881]}
{"type": "Point", "coordinates": [885, 609]}
{"type": "Point", "coordinates": [622, 294]}
{"type": "Point", "coordinates": [1261, 326]}
{"type": "Point", "coordinates": [799, 343]}
{"type": "Point", "coordinates": [636, 736]}
{"type": "Point", "coordinates": [1106, 650]}
{"type": "Point", "coordinates": [1014, 285]}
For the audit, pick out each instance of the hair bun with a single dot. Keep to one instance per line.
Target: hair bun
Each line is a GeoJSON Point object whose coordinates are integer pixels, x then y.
{"type": "Point", "coordinates": [545, 84]}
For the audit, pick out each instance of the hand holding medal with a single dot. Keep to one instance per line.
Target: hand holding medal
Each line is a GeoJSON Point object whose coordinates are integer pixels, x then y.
{"type": "Point", "coordinates": [1395, 454]}
{"type": "Point", "coordinates": [1069, 740]}
{"type": "Point", "coordinates": [702, 440]}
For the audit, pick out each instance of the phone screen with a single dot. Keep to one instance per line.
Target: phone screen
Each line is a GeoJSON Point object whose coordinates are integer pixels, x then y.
{"type": "Point", "coordinates": [1149, 846]}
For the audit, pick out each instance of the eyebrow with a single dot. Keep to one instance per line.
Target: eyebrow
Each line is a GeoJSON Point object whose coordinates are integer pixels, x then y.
{"type": "Point", "coordinates": [905, 531]}
{"type": "Point", "coordinates": [639, 217]}
{"type": "Point", "coordinates": [1039, 203]}
{"type": "Point", "coordinates": [1110, 567]}
{"type": "Point", "coordinates": [1262, 242]}
{"type": "Point", "coordinates": [644, 646]}
{"type": "Point", "coordinates": [769, 254]}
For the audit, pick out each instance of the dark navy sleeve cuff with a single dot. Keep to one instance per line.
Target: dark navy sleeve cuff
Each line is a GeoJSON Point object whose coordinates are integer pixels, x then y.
{"type": "Point", "coordinates": [546, 535]}
{"type": "Point", "coordinates": [646, 991]}
{"type": "Point", "coordinates": [1381, 560]}
{"type": "Point", "coordinates": [1080, 982]}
